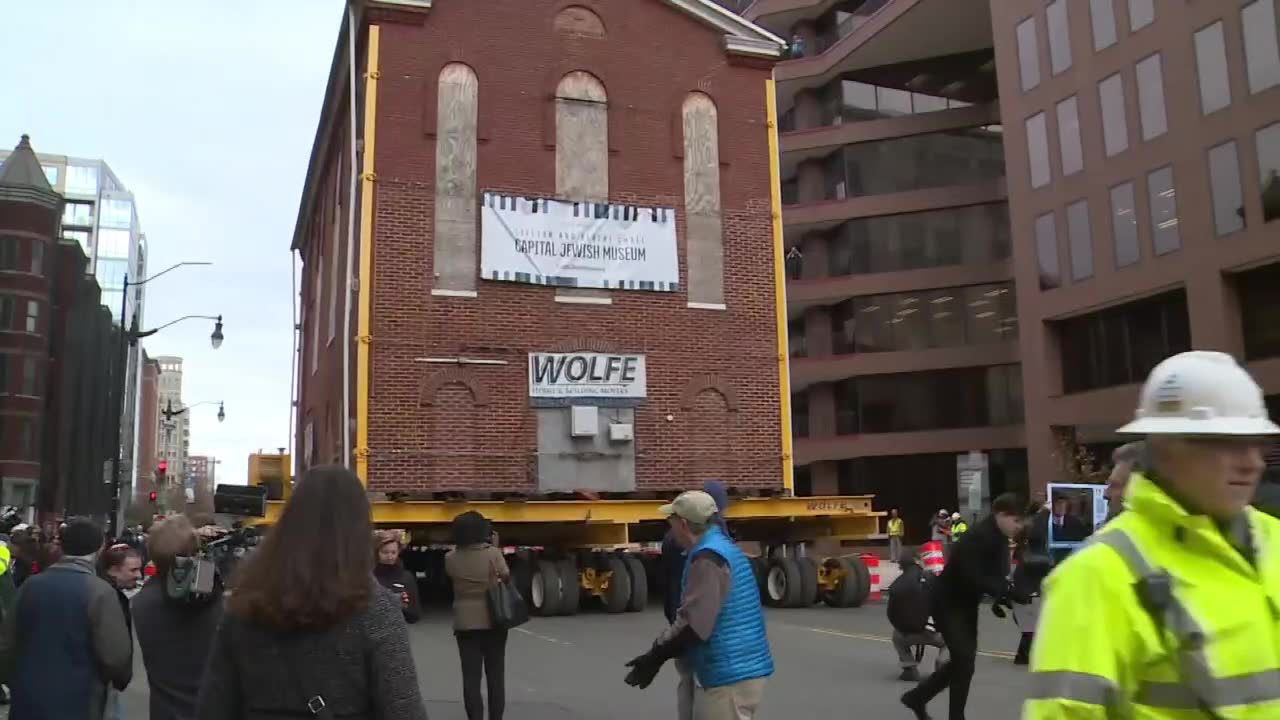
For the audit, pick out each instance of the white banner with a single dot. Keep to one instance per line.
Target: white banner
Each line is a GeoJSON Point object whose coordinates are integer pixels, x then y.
{"type": "Point", "coordinates": [578, 244]}
{"type": "Point", "coordinates": [586, 376]}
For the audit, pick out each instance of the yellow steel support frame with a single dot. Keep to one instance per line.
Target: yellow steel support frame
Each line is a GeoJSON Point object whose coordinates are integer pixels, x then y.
{"type": "Point", "coordinates": [780, 285]}
{"type": "Point", "coordinates": [364, 329]}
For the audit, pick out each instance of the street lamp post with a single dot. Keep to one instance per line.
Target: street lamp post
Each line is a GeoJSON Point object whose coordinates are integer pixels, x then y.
{"type": "Point", "coordinates": [169, 413]}
{"type": "Point", "coordinates": [129, 336]}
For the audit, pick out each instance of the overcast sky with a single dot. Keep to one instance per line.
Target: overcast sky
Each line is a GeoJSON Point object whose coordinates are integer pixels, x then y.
{"type": "Point", "coordinates": [206, 110]}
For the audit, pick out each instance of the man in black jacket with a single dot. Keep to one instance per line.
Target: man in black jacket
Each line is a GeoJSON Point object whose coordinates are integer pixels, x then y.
{"type": "Point", "coordinates": [978, 567]}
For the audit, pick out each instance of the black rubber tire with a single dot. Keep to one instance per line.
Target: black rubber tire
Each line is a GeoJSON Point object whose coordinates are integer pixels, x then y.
{"type": "Point", "coordinates": [639, 599]}
{"type": "Point", "coordinates": [570, 588]}
{"type": "Point", "coordinates": [808, 581]}
{"type": "Point", "coordinates": [545, 582]}
{"type": "Point", "coordinates": [521, 566]}
{"type": "Point", "coordinates": [846, 591]}
{"type": "Point", "coordinates": [864, 580]}
{"type": "Point", "coordinates": [784, 586]}
{"type": "Point", "coordinates": [618, 594]}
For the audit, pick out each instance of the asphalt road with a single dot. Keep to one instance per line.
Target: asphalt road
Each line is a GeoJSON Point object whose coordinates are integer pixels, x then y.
{"type": "Point", "coordinates": [830, 664]}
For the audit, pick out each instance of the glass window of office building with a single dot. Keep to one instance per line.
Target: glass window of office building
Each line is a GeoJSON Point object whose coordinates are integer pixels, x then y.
{"type": "Point", "coordinates": [1120, 345]}
{"type": "Point", "coordinates": [1261, 44]}
{"type": "Point", "coordinates": [1038, 150]}
{"type": "Point", "coordinates": [77, 213]}
{"type": "Point", "coordinates": [1059, 36]}
{"type": "Point", "coordinates": [82, 179]}
{"type": "Point", "coordinates": [80, 236]}
{"type": "Point", "coordinates": [1115, 123]}
{"type": "Point", "coordinates": [1141, 14]}
{"type": "Point", "coordinates": [116, 213]}
{"type": "Point", "coordinates": [111, 271]}
{"type": "Point", "coordinates": [972, 235]}
{"type": "Point", "coordinates": [50, 174]}
{"type": "Point", "coordinates": [1124, 224]}
{"type": "Point", "coordinates": [113, 243]}
{"type": "Point", "coordinates": [1028, 54]}
{"type": "Point", "coordinates": [852, 101]}
{"type": "Point", "coordinates": [1046, 232]}
{"type": "Point", "coordinates": [946, 317]}
{"type": "Point", "coordinates": [1069, 136]}
{"type": "Point", "coordinates": [1211, 67]}
{"type": "Point", "coordinates": [918, 162]}
{"type": "Point", "coordinates": [1225, 186]}
{"type": "Point", "coordinates": [1080, 240]}
{"type": "Point", "coordinates": [933, 400]}
{"type": "Point", "coordinates": [1151, 110]}
{"type": "Point", "coordinates": [1164, 211]}
{"type": "Point", "coordinates": [1102, 13]}
{"type": "Point", "coordinates": [1268, 142]}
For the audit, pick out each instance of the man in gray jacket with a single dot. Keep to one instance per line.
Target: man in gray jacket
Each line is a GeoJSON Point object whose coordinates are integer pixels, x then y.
{"type": "Point", "coordinates": [67, 640]}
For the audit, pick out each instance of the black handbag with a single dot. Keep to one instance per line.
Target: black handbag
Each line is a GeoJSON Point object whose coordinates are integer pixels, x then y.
{"type": "Point", "coordinates": [507, 607]}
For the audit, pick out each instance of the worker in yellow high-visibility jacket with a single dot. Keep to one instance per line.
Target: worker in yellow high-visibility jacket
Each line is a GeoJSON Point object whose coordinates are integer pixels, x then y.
{"type": "Point", "coordinates": [1172, 610]}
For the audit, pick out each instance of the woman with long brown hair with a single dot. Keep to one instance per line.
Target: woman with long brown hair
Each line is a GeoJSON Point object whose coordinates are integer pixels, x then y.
{"type": "Point", "coordinates": [308, 631]}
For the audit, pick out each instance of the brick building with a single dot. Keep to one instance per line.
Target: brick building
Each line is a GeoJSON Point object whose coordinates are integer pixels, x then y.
{"type": "Point", "coordinates": [478, 105]}
{"type": "Point", "coordinates": [148, 431]}
{"type": "Point", "coordinates": [56, 404]}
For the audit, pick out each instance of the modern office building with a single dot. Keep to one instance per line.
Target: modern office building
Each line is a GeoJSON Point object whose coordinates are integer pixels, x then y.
{"type": "Point", "coordinates": [1002, 213]}
{"type": "Point", "coordinates": [904, 327]}
{"type": "Point", "coordinates": [173, 439]}
{"type": "Point", "coordinates": [1143, 144]}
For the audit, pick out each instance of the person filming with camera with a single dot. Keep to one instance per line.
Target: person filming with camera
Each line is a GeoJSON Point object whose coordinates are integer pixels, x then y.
{"type": "Point", "coordinates": [175, 628]}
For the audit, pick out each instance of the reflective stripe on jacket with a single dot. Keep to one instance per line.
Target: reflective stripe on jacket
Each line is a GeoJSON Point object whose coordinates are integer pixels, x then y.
{"type": "Point", "coordinates": [959, 528]}
{"type": "Point", "coordinates": [1206, 645]}
{"type": "Point", "coordinates": [738, 648]}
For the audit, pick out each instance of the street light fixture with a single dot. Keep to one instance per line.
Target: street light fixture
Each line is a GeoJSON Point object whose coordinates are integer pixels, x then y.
{"type": "Point", "coordinates": [169, 413]}
{"type": "Point", "coordinates": [130, 336]}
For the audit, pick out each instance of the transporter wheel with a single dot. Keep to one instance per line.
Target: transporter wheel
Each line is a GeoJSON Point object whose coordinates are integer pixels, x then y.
{"type": "Point", "coordinates": [864, 580]}
{"type": "Point", "coordinates": [639, 599]}
{"type": "Point", "coordinates": [808, 581]}
{"type": "Point", "coordinates": [618, 594]}
{"type": "Point", "coordinates": [784, 586]}
{"type": "Point", "coordinates": [760, 566]}
{"type": "Point", "coordinates": [521, 565]}
{"type": "Point", "coordinates": [544, 590]}
{"type": "Point", "coordinates": [570, 588]}
{"type": "Point", "coordinates": [845, 593]}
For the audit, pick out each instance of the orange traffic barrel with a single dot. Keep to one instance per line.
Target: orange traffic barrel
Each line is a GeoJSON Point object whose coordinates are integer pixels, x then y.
{"type": "Point", "coordinates": [931, 552]}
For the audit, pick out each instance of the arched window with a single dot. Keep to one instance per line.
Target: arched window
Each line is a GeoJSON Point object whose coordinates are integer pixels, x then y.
{"type": "Point", "coordinates": [704, 244]}
{"type": "Point", "coordinates": [454, 239]}
{"type": "Point", "coordinates": [582, 153]}
{"type": "Point", "coordinates": [578, 21]}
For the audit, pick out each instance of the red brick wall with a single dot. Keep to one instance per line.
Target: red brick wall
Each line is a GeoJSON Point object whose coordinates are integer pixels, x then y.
{"type": "Point", "coordinates": [713, 373]}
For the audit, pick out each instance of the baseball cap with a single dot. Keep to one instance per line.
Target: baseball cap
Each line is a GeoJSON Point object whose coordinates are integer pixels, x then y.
{"type": "Point", "coordinates": [694, 506]}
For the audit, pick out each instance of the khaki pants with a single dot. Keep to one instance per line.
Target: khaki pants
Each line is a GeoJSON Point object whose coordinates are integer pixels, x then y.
{"type": "Point", "coordinates": [685, 690]}
{"type": "Point", "coordinates": [738, 701]}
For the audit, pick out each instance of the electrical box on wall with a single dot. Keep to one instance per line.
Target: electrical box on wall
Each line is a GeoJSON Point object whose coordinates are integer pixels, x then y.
{"type": "Point", "coordinates": [585, 421]}
{"type": "Point", "coordinates": [621, 432]}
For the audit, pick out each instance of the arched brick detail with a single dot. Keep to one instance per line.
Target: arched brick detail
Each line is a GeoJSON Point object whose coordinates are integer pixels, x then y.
{"type": "Point", "coordinates": [432, 384]}
{"type": "Point", "coordinates": [431, 91]}
{"type": "Point", "coordinates": [708, 382]}
{"type": "Point", "coordinates": [585, 344]}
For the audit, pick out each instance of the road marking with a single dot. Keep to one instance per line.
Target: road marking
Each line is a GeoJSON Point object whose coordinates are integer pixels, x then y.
{"type": "Point", "coordinates": [543, 637]}
{"type": "Point", "coordinates": [881, 638]}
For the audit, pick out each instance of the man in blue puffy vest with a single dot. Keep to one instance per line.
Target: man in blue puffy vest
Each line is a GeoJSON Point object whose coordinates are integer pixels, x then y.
{"type": "Point", "coordinates": [719, 627]}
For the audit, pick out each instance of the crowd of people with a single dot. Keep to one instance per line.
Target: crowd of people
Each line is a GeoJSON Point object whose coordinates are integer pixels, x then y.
{"type": "Point", "coordinates": [1160, 612]}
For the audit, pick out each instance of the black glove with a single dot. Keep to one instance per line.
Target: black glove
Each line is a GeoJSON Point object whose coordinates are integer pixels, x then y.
{"type": "Point", "coordinates": [644, 669]}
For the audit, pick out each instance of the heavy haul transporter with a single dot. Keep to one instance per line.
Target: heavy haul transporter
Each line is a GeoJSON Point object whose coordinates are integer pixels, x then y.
{"type": "Point", "coordinates": [542, 279]}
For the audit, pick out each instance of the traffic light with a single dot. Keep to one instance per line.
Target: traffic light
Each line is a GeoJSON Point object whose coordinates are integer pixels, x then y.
{"type": "Point", "coordinates": [162, 472]}
{"type": "Point", "coordinates": [152, 497]}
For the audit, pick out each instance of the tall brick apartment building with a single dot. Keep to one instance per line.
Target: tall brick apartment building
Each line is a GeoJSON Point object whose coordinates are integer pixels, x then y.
{"type": "Point", "coordinates": [56, 423]}
{"type": "Point", "coordinates": [476, 117]}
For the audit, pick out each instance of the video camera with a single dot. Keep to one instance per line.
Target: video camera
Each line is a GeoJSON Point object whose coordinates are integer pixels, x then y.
{"type": "Point", "coordinates": [198, 579]}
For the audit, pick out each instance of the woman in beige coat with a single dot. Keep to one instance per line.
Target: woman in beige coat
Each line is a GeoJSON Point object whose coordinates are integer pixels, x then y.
{"type": "Point", "coordinates": [474, 566]}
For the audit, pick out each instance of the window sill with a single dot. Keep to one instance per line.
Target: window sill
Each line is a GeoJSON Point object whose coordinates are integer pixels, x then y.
{"type": "Point", "coordinates": [583, 300]}
{"type": "Point", "coordinates": [707, 306]}
{"type": "Point", "coordinates": [442, 292]}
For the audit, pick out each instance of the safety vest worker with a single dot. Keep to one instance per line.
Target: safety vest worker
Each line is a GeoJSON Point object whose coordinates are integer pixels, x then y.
{"type": "Point", "coordinates": [958, 526]}
{"type": "Point", "coordinates": [1172, 610]}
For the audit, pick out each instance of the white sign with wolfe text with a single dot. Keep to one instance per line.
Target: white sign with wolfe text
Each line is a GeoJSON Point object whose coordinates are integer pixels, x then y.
{"type": "Point", "coordinates": [578, 244]}
{"type": "Point", "coordinates": [586, 376]}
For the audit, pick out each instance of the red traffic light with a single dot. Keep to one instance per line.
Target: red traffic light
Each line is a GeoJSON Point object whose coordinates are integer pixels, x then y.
{"type": "Point", "coordinates": [163, 467]}
{"type": "Point", "coordinates": [153, 496]}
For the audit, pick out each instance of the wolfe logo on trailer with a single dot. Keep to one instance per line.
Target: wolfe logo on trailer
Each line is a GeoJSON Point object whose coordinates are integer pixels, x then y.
{"type": "Point", "coordinates": [586, 376]}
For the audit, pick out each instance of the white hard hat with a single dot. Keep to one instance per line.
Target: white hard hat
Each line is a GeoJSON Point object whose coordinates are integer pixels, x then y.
{"type": "Point", "coordinates": [1200, 393]}
{"type": "Point", "coordinates": [943, 511]}
{"type": "Point", "coordinates": [955, 516]}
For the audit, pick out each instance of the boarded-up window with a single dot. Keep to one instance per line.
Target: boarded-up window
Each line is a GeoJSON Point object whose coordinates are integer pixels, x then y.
{"type": "Point", "coordinates": [454, 242]}
{"type": "Point", "coordinates": [577, 20]}
{"type": "Point", "coordinates": [335, 253]}
{"type": "Point", "coordinates": [582, 148]}
{"type": "Point", "coordinates": [704, 245]}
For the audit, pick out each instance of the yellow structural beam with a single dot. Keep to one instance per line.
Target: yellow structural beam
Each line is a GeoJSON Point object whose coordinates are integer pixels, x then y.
{"type": "Point", "coordinates": [607, 511]}
{"type": "Point", "coordinates": [779, 285]}
{"type": "Point", "coordinates": [364, 327]}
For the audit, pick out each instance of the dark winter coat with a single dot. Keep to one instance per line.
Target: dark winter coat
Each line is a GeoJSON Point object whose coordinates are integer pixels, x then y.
{"type": "Point", "coordinates": [909, 599]}
{"type": "Point", "coordinates": [175, 640]}
{"type": "Point", "coordinates": [390, 575]}
{"type": "Point", "coordinates": [362, 667]}
{"type": "Point", "coordinates": [67, 643]}
{"type": "Point", "coordinates": [978, 566]}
